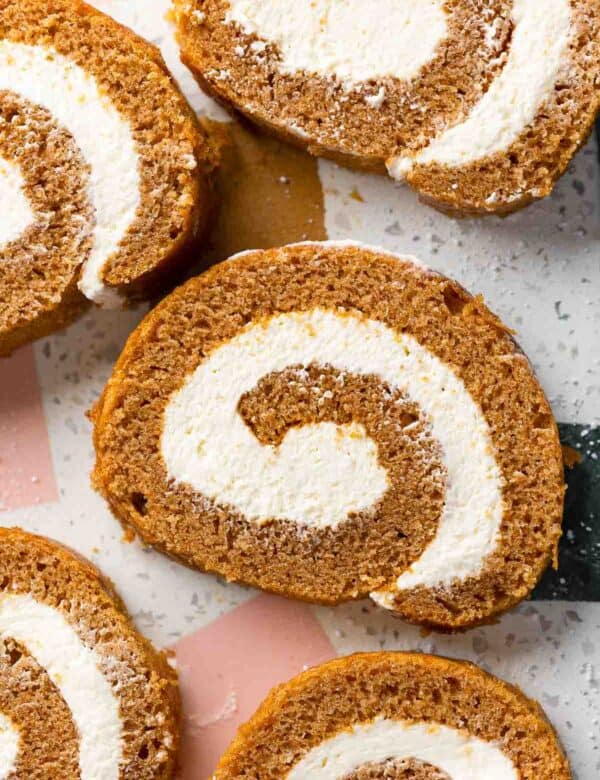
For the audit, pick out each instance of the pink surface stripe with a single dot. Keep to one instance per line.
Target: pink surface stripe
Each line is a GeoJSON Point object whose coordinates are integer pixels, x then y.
{"type": "Point", "coordinates": [227, 668]}
{"type": "Point", "coordinates": [26, 473]}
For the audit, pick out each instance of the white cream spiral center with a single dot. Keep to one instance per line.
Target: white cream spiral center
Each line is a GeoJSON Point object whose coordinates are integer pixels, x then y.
{"type": "Point", "coordinates": [16, 214]}
{"type": "Point", "coordinates": [319, 473]}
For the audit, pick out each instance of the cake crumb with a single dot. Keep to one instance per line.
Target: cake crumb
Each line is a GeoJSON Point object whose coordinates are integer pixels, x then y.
{"type": "Point", "coordinates": [571, 457]}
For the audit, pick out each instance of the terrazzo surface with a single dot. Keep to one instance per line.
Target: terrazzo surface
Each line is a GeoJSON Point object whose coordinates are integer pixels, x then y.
{"type": "Point", "coordinates": [539, 270]}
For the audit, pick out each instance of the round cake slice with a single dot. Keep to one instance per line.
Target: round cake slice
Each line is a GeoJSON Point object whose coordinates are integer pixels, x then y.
{"type": "Point", "coordinates": [104, 170]}
{"type": "Point", "coordinates": [328, 421]}
{"type": "Point", "coordinates": [395, 716]}
{"type": "Point", "coordinates": [82, 693]}
{"type": "Point", "coordinates": [478, 104]}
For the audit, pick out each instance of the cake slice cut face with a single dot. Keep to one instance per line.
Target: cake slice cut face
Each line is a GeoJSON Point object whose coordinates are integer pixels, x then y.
{"type": "Point", "coordinates": [478, 104]}
{"type": "Point", "coordinates": [395, 716]}
{"type": "Point", "coordinates": [82, 694]}
{"type": "Point", "coordinates": [103, 168]}
{"type": "Point", "coordinates": [329, 421]}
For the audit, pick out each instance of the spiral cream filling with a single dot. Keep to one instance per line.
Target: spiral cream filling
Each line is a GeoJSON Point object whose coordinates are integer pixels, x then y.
{"type": "Point", "coordinates": [537, 53]}
{"type": "Point", "coordinates": [337, 38]}
{"type": "Point", "coordinates": [75, 671]}
{"type": "Point", "coordinates": [15, 208]}
{"type": "Point", "coordinates": [321, 472]}
{"type": "Point", "coordinates": [77, 102]}
{"type": "Point", "coordinates": [457, 753]}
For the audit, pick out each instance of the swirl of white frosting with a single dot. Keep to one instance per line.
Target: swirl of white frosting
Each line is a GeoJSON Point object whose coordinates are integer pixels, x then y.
{"type": "Point", "coordinates": [321, 472]}
{"type": "Point", "coordinates": [75, 100]}
{"type": "Point", "coordinates": [457, 753]}
{"type": "Point", "coordinates": [75, 670]}
{"type": "Point", "coordinates": [540, 39]}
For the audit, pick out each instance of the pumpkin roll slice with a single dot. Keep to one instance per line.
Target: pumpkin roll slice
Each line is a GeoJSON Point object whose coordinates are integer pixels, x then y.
{"type": "Point", "coordinates": [82, 693]}
{"type": "Point", "coordinates": [103, 167]}
{"type": "Point", "coordinates": [395, 716]}
{"type": "Point", "coordinates": [478, 104]}
{"type": "Point", "coordinates": [328, 421]}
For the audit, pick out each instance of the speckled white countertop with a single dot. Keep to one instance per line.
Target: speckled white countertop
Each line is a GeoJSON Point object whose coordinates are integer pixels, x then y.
{"type": "Point", "coordinates": [539, 270]}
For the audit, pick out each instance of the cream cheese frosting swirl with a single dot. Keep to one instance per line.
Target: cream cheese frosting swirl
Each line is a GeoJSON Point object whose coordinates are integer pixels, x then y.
{"type": "Point", "coordinates": [339, 38]}
{"type": "Point", "coordinates": [14, 204]}
{"type": "Point", "coordinates": [335, 38]}
{"type": "Point", "coordinates": [452, 751]}
{"type": "Point", "coordinates": [537, 55]}
{"type": "Point", "coordinates": [319, 474]}
{"type": "Point", "coordinates": [75, 670]}
{"type": "Point", "coordinates": [9, 745]}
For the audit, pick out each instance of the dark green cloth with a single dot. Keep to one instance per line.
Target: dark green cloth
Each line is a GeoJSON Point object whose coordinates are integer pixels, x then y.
{"type": "Point", "coordinates": [578, 575]}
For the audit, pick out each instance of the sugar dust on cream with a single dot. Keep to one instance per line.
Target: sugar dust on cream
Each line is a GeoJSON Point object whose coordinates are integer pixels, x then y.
{"type": "Point", "coordinates": [322, 472]}
{"type": "Point", "coordinates": [339, 38]}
